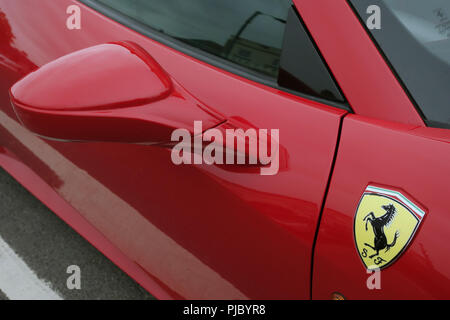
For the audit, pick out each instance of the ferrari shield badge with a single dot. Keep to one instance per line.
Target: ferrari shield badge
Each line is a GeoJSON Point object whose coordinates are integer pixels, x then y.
{"type": "Point", "coordinates": [385, 223]}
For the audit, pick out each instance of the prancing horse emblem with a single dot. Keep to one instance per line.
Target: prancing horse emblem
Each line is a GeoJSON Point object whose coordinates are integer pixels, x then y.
{"type": "Point", "coordinates": [378, 225]}
{"type": "Point", "coordinates": [385, 223]}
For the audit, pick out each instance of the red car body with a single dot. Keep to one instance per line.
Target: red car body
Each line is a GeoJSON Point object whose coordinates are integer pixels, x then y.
{"type": "Point", "coordinates": [208, 232]}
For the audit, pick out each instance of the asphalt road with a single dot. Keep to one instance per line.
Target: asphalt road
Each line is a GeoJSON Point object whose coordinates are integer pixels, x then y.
{"type": "Point", "coordinates": [48, 246]}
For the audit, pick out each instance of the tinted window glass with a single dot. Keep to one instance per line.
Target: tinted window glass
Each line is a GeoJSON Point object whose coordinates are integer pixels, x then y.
{"type": "Point", "coordinates": [246, 32]}
{"type": "Point", "coordinates": [415, 38]}
{"type": "Point", "coordinates": [301, 66]}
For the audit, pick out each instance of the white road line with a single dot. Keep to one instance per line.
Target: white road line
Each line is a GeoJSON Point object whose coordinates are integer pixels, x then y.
{"type": "Point", "coordinates": [18, 281]}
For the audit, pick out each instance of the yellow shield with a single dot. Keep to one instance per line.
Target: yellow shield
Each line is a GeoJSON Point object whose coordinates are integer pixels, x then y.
{"type": "Point", "coordinates": [385, 223]}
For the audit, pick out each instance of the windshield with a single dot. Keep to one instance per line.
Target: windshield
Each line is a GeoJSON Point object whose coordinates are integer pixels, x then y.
{"type": "Point", "coordinates": [414, 36]}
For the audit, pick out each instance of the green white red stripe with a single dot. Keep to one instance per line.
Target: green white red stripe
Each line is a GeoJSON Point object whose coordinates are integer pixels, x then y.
{"type": "Point", "coordinates": [400, 197]}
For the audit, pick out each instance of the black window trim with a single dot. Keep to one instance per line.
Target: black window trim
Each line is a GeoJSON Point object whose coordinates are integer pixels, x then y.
{"type": "Point", "coordinates": [201, 55]}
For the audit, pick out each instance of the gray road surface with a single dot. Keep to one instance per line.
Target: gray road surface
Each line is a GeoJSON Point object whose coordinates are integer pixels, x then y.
{"type": "Point", "coordinates": [48, 246]}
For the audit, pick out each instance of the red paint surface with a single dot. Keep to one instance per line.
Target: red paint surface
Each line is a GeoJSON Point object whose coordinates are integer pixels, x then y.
{"type": "Point", "coordinates": [399, 157]}
{"type": "Point", "coordinates": [115, 92]}
{"type": "Point", "coordinates": [202, 231]}
{"type": "Point", "coordinates": [211, 232]}
{"type": "Point", "coordinates": [362, 73]}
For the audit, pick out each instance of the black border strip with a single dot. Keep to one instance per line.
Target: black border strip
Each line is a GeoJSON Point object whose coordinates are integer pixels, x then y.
{"type": "Point", "coordinates": [200, 54]}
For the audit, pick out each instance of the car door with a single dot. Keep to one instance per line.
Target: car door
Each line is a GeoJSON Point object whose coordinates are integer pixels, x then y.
{"type": "Point", "coordinates": [202, 231]}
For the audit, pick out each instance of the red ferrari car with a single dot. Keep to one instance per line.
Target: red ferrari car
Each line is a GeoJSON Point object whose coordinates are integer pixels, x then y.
{"type": "Point", "coordinates": [358, 92]}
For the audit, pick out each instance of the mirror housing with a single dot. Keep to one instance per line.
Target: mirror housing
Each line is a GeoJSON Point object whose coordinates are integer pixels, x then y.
{"type": "Point", "coordinates": [113, 92]}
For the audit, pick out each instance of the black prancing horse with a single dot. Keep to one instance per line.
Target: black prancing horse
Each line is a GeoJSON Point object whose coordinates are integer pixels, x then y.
{"type": "Point", "coordinates": [378, 224]}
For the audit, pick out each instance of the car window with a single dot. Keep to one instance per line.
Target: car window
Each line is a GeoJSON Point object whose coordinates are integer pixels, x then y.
{"type": "Point", "coordinates": [262, 40]}
{"type": "Point", "coordinates": [414, 36]}
{"type": "Point", "coordinates": [248, 33]}
{"type": "Point", "coordinates": [302, 67]}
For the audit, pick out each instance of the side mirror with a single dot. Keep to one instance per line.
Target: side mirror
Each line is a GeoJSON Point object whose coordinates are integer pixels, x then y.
{"type": "Point", "coordinates": [113, 92]}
